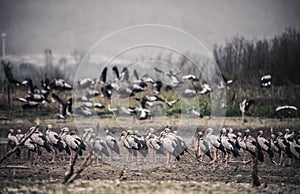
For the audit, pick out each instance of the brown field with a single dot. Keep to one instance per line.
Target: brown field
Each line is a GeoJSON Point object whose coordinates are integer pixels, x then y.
{"type": "Point", "coordinates": [185, 176]}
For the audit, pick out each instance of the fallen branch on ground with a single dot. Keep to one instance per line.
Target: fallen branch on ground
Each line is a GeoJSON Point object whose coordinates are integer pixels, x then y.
{"type": "Point", "coordinates": [71, 175]}
{"type": "Point", "coordinates": [85, 164]}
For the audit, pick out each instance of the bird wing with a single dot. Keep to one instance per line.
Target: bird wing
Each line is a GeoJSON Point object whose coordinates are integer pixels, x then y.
{"type": "Point", "coordinates": [158, 70]}
{"type": "Point", "coordinates": [125, 74]}
{"type": "Point", "coordinates": [103, 75]}
{"type": "Point", "coordinates": [57, 99]}
{"type": "Point", "coordinates": [116, 72]}
{"type": "Point", "coordinates": [136, 74]}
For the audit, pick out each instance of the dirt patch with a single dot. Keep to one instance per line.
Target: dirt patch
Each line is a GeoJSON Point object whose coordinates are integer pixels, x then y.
{"type": "Point", "coordinates": [184, 176]}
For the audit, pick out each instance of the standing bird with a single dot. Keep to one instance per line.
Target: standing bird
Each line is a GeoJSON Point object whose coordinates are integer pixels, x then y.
{"type": "Point", "coordinates": [73, 142]}
{"type": "Point", "coordinates": [100, 147]}
{"type": "Point", "coordinates": [131, 146]}
{"type": "Point", "coordinates": [13, 142]}
{"type": "Point", "coordinates": [112, 144]}
{"type": "Point", "coordinates": [251, 146]}
{"type": "Point", "coordinates": [282, 145]}
{"type": "Point", "coordinates": [179, 143]}
{"type": "Point", "coordinates": [244, 107]}
{"type": "Point", "coordinates": [154, 145]}
{"type": "Point", "coordinates": [274, 146]}
{"type": "Point", "coordinates": [232, 137]}
{"type": "Point", "coordinates": [172, 146]}
{"type": "Point", "coordinates": [293, 148]}
{"type": "Point", "coordinates": [202, 147]}
{"type": "Point", "coordinates": [40, 140]}
{"type": "Point", "coordinates": [54, 140]}
{"type": "Point", "coordinates": [19, 135]}
{"type": "Point", "coordinates": [32, 147]}
{"type": "Point", "coordinates": [265, 145]}
{"type": "Point", "coordinates": [229, 146]}
{"type": "Point", "coordinates": [214, 143]}
{"type": "Point", "coordinates": [241, 145]}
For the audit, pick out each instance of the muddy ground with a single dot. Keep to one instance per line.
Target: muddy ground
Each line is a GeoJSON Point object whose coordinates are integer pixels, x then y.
{"type": "Point", "coordinates": [184, 176]}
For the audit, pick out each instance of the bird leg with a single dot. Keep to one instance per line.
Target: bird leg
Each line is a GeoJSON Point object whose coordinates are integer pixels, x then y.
{"type": "Point", "coordinates": [111, 155]}
{"type": "Point", "coordinates": [36, 157]}
{"type": "Point", "coordinates": [215, 156]}
{"type": "Point", "coordinates": [97, 160]}
{"type": "Point", "coordinates": [226, 159]}
{"type": "Point", "coordinates": [281, 158]}
{"type": "Point", "coordinates": [243, 117]}
{"type": "Point", "coordinates": [168, 160]}
{"type": "Point", "coordinates": [53, 155]}
{"type": "Point", "coordinates": [71, 158]}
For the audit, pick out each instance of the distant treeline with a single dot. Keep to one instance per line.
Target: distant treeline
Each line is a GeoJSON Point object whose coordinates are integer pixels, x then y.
{"type": "Point", "coordinates": [248, 60]}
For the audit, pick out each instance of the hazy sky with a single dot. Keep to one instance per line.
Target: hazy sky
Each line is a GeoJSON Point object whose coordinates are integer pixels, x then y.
{"type": "Point", "coordinates": [63, 25]}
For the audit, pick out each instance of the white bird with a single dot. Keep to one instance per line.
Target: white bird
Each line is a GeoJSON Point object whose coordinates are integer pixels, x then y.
{"type": "Point", "coordinates": [285, 107]}
{"type": "Point", "coordinates": [65, 107]}
{"type": "Point", "coordinates": [32, 147]}
{"type": "Point", "coordinates": [282, 111]}
{"type": "Point", "coordinates": [130, 146]}
{"type": "Point", "coordinates": [265, 81]}
{"type": "Point", "coordinates": [232, 137]}
{"type": "Point", "coordinates": [244, 107]}
{"type": "Point", "coordinates": [60, 84]}
{"type": "Point", "coordinates": [294, 148]}
{"type": "Point", "coordinates": [13, 141]}
{"type": "Point", "coordinates": [73, 141]}
{"type": "Point", "coordinates": [265, 144]}
{"type": "Point", "coordinates": [214, 143]}
{"type": "Point", "coordinates": [156, 147]}
{"type": "Point", "coordinates": [282, 145]}
{"type": "Point", "coordinates": [85, 83]}
{"type": "Point", "coordinates": [202, 147]}
{"type": "Point", "coordinates": [251, 146]}
{"type": "Point", "coordinates": [174, 80]}
{"type": "Point", "coordinates": [190, 77]}
{"type": "Point", "coordinates": [195, 112]}
{"type": "Point", "coordinates": [189, 93]}
{"type": "Point", "coordinates": [40, 140]}
{"type": "Point", "coordinates": [205, 89]}
{"type": "Point", "coordinates": [227, 82]}
{"type": "Point", "coordinates": [112, 144]}
{"type": "Point", "coordinates": [54, 140]}
{"type": "Point", "coordinates": [100, 147]}
{"type": "Point", "coordinates": [229, 146]}
{"type": "Point", "coordinates": [19, 135]}
{"type": "Point", "coordinates": [173, 144]}
{"type": "Point", "coordinates": [241, 145]}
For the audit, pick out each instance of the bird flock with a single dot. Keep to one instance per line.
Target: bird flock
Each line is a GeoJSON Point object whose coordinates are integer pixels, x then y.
{"type": "Point", "coordinates": [206, 146]}
{"type": "Point", "coordinates": [142, 95]}
{"type": "Point", "coordinates": [136, 95]}
{"type": "Point", "coordinates": [279, 148]}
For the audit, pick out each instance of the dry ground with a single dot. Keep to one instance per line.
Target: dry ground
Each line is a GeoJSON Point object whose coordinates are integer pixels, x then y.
{"type": "Point", "coordinates": [185, 176]}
